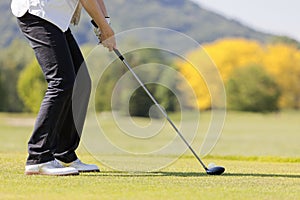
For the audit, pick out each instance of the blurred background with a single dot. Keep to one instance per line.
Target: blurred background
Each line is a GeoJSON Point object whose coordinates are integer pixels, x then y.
{"type": "Point", "coordinates": [254, 44]}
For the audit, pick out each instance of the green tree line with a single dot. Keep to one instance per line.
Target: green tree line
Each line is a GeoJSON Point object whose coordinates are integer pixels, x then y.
{"type": "Point", "coordinates": [249, 86]}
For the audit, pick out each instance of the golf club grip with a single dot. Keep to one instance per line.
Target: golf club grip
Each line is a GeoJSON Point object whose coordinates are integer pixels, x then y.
{"type": "Point", "coordinates": [94, 23]}
{"type": "Point", "coordinates": [117, 52]}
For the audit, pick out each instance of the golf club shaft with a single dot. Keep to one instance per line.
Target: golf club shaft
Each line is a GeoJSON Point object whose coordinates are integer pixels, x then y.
{"type": "Point", "coordinates": [121, 57]}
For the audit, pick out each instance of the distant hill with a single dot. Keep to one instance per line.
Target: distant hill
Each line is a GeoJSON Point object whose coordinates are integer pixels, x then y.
{"type": "Point", "coordinates": [180, 15]}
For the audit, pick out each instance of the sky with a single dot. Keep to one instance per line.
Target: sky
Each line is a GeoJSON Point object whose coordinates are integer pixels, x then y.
{"type": "Point", "coordinates": [280, 17]}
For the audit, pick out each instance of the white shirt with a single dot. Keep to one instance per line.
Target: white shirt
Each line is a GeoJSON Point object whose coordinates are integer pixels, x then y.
{"type": "Point", "coordinates": [58, 12]}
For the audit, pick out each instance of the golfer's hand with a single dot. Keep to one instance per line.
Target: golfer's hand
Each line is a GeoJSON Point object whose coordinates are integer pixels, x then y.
{"type": "Point", "coordinates": [108, 38]}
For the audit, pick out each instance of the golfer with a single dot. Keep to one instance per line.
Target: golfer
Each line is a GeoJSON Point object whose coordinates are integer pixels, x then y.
{"type": "Point", "coordinates": [56, 136]}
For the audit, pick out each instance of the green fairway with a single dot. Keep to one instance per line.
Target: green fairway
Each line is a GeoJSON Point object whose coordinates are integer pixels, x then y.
{"type": "Point", "coordinates": [261, 155]}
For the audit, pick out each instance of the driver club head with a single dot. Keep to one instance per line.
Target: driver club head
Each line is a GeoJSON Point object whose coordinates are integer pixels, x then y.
{"type": "Point", "coordinates": [215, 170]}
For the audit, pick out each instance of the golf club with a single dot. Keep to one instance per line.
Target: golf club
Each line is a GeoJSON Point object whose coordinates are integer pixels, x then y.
{"type": "Point", "coordinates": [216, 170]}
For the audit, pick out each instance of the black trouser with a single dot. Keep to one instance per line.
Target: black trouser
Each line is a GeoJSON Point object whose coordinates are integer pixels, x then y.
{"type": "Point", "coordinates": [55, 134]}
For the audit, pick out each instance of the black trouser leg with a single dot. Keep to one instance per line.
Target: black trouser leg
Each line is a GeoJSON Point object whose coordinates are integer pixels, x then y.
{"type": "Point", "coordinates": [54, 130]}
{"type": "Point", "coordinates": [72, 126]}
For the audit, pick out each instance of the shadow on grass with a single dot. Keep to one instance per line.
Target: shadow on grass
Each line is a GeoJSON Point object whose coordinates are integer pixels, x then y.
{"type": "Point", "coordinates": [185, 174]}
{"type": "Point", "coordinates": [146, 174]}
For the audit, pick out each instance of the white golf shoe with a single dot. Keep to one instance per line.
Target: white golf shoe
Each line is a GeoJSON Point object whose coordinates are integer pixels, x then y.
{"type": "Point", "coordinates": [80, 166]}
{"type": "Point", "coordinates": [53, 168]}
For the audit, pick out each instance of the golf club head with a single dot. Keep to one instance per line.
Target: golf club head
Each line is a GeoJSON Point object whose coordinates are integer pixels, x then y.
{"type": "Point", "coordinates": [215, 170]}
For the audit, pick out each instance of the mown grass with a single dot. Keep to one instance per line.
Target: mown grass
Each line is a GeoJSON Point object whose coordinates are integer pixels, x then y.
{"type": "Point", "coordinates": [183, 180]}
{"type": "Point", "coordinates": [266, 169]}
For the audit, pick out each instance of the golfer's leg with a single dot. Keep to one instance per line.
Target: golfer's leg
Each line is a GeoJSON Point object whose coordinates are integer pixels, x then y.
{"type": "Point", "coordinates": [53, 55]}
{"type": "Point", "coordinates": [70, 132]}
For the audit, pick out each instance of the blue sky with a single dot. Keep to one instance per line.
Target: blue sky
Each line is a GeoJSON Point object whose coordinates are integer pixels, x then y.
{"type": "Point", "coordinates": [273, 16]}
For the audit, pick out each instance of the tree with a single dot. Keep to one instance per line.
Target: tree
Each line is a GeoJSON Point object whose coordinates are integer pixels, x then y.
{"type": "Point", "coordinates": [285, 40]}
{"type": "Point", "coordinates": [250, 88]}
{"type": "Point", "coordinates": [280, 59]}
{"type": "Point", "coordinates": [12, 60]}
{"type": "Point", "coordinates": [32, 86]}
{"type": "Point", "coordinates": [2, 93]}
{"type": "Point", "coordinates": [147, 62]}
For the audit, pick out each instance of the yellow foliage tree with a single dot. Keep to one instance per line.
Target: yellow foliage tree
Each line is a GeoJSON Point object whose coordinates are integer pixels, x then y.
{"type": "Point", "coordinates": [203, 77]}
{"type": "Point", "coordinates": [231, 53]}
{"type": "Point", "coordinates": [195, 81]}
{"type": "Point", "coordinates": [282, 61]}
